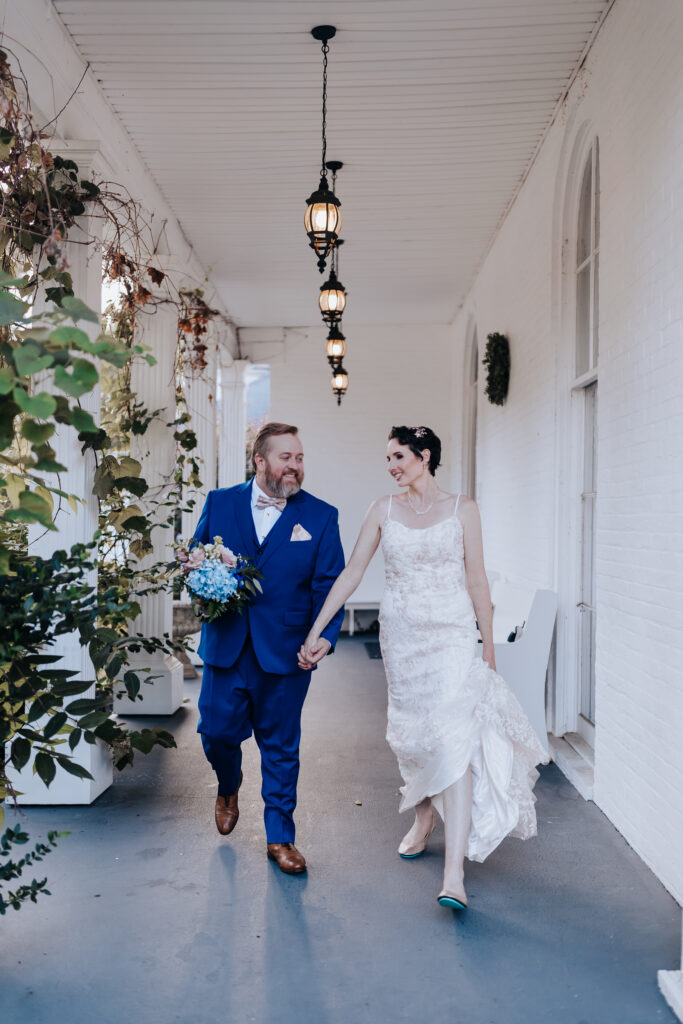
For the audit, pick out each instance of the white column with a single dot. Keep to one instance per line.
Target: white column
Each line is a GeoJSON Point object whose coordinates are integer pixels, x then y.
{"type": "Point", "coordinates": [75, 527]}
{"type": "Point", "coordinates": [154, 386]}
{"type": "Point", "coordinates": [671, 985]}
{"type": "Point", "coordinates": [200, 393]}
{"type": "Point", "coordinates": [233, 420]}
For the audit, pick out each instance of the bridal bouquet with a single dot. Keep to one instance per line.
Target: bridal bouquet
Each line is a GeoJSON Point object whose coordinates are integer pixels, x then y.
{"type": "Point", "coordinates": [218, 580]}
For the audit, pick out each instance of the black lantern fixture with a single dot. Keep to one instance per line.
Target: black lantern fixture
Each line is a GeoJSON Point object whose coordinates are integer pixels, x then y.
{"type": "Point", "coordinates": [332, 299]}
{"type": "Point", "coordinates": [323, 217]}
{"type": "Point", "coordinates": [336, 347]}
{"type": "Point", "coordinates": [339, 382]}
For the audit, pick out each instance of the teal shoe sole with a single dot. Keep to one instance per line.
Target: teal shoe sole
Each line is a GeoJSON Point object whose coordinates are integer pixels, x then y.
{"type": "Point", "coordinates": [451, 903]}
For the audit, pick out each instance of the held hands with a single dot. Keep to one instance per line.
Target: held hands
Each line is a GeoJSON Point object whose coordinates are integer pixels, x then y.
{"type": "Point", "coordinates": [312, 651]}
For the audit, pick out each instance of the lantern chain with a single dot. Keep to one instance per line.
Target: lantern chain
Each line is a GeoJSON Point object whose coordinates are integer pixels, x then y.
{"type": "Point", "coordinates": [325, 49]}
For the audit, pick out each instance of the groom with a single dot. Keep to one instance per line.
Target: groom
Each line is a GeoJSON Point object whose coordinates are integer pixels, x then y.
{"type": "Point", "coordinates": [251, 680]}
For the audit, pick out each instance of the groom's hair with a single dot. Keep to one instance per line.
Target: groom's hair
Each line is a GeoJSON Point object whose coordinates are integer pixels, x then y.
{"type": "Point", "coordinates": [262, 439]}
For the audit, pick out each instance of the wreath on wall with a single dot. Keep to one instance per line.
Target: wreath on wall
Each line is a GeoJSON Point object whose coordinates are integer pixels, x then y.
{"type": "Point", "coordinates": [497, 363]}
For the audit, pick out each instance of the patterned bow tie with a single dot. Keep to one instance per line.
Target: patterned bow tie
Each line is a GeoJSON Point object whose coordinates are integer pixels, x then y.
{"type": "Point", "coordinates": [265, 502]}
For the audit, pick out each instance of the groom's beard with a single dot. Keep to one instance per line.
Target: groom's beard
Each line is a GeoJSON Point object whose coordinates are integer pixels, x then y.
{"type": "Point", "coordinates": [284, 486]}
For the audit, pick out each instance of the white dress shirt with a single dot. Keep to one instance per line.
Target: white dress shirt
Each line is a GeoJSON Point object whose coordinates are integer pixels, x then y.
{"type": "Point", "coordinates": [264, 518]}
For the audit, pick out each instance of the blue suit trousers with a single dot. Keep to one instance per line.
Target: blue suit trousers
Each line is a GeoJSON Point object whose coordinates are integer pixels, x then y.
{"type": "Point", "coordinates": [236, 701]}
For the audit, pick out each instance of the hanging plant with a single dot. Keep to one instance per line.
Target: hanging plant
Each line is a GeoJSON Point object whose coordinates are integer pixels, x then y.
{"type": "Point", "coordinates": [497, 363]}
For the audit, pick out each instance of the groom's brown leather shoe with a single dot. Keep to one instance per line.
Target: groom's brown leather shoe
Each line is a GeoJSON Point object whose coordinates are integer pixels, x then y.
{"type": "Point", "coordinates": [227, 812]}
{"type": "Point", "coordinates": [287, 857]}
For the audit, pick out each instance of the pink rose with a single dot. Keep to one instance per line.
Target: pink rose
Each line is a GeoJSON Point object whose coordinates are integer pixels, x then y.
{"type": "Point", "coordinates": [183, 555]}
{"type": "Point", "coordinates": [195, 558]}
{"type": "Point", "coordinates": [228, 558]}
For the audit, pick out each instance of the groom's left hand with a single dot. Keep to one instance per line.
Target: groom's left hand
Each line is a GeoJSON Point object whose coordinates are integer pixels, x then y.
{"type": "Point", "coordinates": [311, 654]}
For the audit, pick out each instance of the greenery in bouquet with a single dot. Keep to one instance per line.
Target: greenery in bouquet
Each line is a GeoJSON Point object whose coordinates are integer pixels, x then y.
{"type": "Point", "coordinates": [217, 580]}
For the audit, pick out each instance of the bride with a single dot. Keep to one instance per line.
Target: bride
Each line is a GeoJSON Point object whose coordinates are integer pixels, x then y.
{"type": "Point", "coordinates": [465, 748]}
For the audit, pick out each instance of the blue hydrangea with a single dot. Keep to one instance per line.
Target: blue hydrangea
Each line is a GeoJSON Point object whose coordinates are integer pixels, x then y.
{"type": "Point", "coordinates": [212, 580]}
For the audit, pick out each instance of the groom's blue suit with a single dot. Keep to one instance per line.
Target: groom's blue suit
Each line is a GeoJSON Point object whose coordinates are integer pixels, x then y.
{"type": "Point", "coordinates": [251, 679]}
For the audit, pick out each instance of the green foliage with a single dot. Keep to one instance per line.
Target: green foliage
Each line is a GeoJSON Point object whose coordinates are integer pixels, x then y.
{"type": "Point", "coordinates": [49, 365]}
{"type": "Point", "coordinates": [497, 363]}
{"type": "Point", "coordinates": [10, 869]}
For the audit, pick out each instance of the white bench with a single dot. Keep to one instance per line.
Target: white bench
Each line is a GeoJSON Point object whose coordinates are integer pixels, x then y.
{"type": "Point", "coordinates": [357, 606]}
{"type": "Point", "coordinates": [524, 663]}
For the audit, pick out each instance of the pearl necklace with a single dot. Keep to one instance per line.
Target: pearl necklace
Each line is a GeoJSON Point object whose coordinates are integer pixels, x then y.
{"type": "Point", "coordinates": [424, 511]}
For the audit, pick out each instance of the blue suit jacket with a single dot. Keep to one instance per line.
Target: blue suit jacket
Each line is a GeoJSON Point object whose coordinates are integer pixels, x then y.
{"type": "Point", "coordinates": [297, 576]}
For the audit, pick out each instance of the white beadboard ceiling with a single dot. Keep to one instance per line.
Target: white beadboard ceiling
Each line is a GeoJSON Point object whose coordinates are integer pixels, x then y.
{"type": "Point", "coordinates": [436, 108]}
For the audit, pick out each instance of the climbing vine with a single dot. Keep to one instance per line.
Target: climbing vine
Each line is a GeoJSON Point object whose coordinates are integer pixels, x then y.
{"type": "Point", "coordinates": [54, 352]}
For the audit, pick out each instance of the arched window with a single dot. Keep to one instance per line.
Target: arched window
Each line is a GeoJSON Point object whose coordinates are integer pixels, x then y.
{"type": "Point", "coordinates": [587, 267]}
{"type": "Point", "coordinates": [586, 390]}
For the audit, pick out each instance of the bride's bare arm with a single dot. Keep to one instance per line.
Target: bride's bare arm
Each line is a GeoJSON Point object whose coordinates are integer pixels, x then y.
{"type": "Point", "coordinates": [368, 539]}
{"type": "Point", "coordinates": [477, 583]}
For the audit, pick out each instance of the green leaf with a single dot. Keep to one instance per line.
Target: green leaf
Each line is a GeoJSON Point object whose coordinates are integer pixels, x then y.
{"type": "Point", "coordinates": [64, 336]}
{"type": "Point", "coordinates": [4, 560]}
{"type": "Point", "coordinates": [11, 309]}
{"type": "Point", "coordinates": [7, 380]}
{"type": "Point", "coordinates": [7, 281]}
{"type": "Point", "coordinates": [104, 481]}
{"type": "Point", "coordinates": [131, 681]}
{"type": "Point", "coordinates": [80, 381]}
{"type": "Point", "coordinates": [37, 507]}
{"type": "Point", "coordinates": [29, 359]}
{"type": "Point", "coordinates": [41, 405]}
{"type": "Point", "coordinates": [72, 767]}
{"type": "Point", "coordinates": [37, 433]}
{"type": "Point", "coordinates": [75, 738]}
{"type": "Point", "coordinates": [21, 751]}
{"type": "Point", "coordinates": [117, 357]}
{"type": "Point", "coordinates": [94, 719]}
{"type": "Point", "coordinates": [45, 767]}
{"type": "Point", "coordinates": [81, 707]}
{"type": "Point", "coordinates": [78, 310]}
{"type": "Point", "coordinates": [83, 421]}
{"type": "Point", "coordinates": [55, 723]}
{"type": "Point", "coordinates": [45, 459]}
{"type": "Point", "coordinates": [128, 467]}
{"type": "Point", "coordinates": [71, 687]}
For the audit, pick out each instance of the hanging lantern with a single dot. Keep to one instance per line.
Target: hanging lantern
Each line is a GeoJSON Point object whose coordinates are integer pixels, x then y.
{"type": "Point", "coordinates": [323, 217]}
{"type": "Point", "coordinates": [336, 347]}
{"type": "Point", "coordinates": [323, 221]}
{"type": "Point", "coordinates": [332, 299]}
{"type": "Point", "coordinates": [339, 382]}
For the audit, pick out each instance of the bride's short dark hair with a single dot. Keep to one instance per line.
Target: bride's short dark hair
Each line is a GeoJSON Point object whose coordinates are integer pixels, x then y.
{"type": "Point", "coordinates": [418, 439]}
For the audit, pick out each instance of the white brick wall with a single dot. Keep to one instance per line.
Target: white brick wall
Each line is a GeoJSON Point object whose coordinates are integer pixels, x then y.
{"type": "Point", "coordinates": [631, 95]}
{"type": "Point", "coordinates": [396, 375]}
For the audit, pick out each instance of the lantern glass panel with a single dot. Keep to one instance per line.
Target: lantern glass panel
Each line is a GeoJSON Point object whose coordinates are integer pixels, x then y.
{"type": "Point", "coordinates": [322, 218]}
{"type": "Point", "coordinates": [332, 300]}
{"type": "Point", "coordinates": [336, 348]}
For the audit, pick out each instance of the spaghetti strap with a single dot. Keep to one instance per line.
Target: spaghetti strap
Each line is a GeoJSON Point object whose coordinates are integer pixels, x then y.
{"type": "Point", "coordinates": [389, 507]}
{"type": "Point", "coordinates": [457, 502]}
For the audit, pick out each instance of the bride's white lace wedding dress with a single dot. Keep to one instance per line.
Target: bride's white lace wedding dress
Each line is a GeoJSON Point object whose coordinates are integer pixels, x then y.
{"type": "Point", "coordinates": [447, 708]}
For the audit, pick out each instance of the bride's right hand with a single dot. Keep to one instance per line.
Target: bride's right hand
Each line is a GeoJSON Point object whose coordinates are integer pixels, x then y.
{"type": "Point", "coordinates": [307, 650]}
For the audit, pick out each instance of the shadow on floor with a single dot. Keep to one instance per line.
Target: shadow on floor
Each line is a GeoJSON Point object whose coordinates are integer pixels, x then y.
{"type": "Point", "coordinates": [155, 918]}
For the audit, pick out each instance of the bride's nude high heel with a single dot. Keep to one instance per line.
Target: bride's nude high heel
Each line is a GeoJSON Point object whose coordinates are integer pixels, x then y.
{"type": "Point", "coordinates": [409, 852]}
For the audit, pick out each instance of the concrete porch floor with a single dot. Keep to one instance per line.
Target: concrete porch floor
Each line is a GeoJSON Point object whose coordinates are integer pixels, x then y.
{"type": "Point", "coordinates": [156, 918]}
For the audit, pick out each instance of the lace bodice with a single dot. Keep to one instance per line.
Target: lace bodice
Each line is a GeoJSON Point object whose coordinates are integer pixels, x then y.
{"type": "Point", "coordinates": [427, 566]}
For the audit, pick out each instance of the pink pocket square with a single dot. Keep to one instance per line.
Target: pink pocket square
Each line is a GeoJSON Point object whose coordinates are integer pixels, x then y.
{"type": "Point", "coordinates": [299, 533]}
